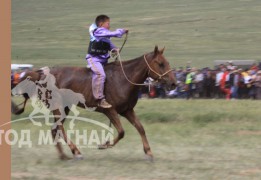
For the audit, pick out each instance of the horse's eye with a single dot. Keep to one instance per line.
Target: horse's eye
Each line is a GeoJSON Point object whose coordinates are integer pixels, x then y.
{"type": "Point", "coordinates": [161, 65]}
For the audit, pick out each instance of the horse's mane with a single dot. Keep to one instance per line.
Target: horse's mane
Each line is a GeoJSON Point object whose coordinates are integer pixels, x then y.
{"type": "Point", "coordinates": [124, 62]}
{"type": "Point", "coordinates": [106, 67]}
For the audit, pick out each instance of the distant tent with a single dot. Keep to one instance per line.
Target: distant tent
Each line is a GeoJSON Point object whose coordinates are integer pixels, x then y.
{"type": "Point", "coordinates": [239, 63]}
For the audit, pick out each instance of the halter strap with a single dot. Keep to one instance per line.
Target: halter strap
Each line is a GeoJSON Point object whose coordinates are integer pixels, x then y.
{"type": "Point", "coordinates": [160, 75]}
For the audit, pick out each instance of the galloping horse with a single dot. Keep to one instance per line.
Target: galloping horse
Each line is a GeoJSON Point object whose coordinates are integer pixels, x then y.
{"type": "Point", "coordinates": [121, 92]}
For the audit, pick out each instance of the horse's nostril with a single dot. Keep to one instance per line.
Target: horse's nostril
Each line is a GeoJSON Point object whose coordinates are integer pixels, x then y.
{"type": "Point", "coordinates": [173, 85]}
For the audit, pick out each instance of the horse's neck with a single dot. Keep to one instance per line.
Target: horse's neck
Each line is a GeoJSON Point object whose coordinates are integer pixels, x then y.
{"type": "Point", "coordinates": [136, 70]}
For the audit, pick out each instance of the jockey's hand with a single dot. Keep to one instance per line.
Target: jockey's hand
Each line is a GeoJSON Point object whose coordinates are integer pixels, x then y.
{"type": "Point", "coordinates": [114, 53]}
{"type": "Point", "coordinates": [126, 31]}
{"type": "Point", "coordinates": [115, 50]}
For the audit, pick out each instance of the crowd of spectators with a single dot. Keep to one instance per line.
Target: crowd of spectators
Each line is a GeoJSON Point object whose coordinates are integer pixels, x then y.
{"type": "Point", "coordinates": [226, 81]}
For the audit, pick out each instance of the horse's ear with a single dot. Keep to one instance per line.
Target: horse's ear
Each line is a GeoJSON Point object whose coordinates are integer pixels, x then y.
{"type": "Point", "coordinates": [156, 50]}
{"type": "Point", "coordinates": [162, 50]}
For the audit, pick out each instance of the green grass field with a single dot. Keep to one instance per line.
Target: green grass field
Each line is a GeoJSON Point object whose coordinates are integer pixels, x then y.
{"type": "Point", "coordinates": [196, 139]}
{"type": "Point", "coordinates": [56, 32]}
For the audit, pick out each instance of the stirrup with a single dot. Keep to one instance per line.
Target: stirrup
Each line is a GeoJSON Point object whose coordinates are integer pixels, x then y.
{"type": "Point", "coordinates": [104, 104]}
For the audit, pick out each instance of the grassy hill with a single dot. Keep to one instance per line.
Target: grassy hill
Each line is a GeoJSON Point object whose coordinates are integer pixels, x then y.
{"type": "Point", "coordinates": [56, 32]}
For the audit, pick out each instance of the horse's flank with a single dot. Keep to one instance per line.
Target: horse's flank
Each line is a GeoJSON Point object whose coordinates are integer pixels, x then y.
{"type": "Point", "coordinates": [118, 91]}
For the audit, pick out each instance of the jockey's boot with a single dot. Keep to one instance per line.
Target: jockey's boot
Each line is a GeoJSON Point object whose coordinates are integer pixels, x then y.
{"type": "Point", "coordinates": [104, 104]}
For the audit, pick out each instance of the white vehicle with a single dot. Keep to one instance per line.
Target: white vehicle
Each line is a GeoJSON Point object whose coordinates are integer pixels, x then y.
{"type": "Point", "coordinates": [21, 67]}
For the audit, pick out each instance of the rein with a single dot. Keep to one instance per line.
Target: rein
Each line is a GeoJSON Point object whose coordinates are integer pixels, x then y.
{"type": "Point", "coordinates": [126, 37]}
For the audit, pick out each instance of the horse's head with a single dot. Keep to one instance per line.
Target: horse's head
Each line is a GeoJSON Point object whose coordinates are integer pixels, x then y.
{"type": "Point", "coordinates": [159, 68]}
{"type": "Point", "coordinates": [24, 87]}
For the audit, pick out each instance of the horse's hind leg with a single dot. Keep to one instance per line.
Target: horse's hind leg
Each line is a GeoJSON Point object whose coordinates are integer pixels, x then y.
{"type": "Point", "coordinates": [62, 155]}
{"type": "Point", "coordinates": [72, 146]}
{"type": "Point", "coordinates": [132, 118]}
{"type": "Point", "coordinates": [75, 113]}
{"type": "Point", "coordinates": [77, 154]}
{"type": "Point", "coordinates": [62, 115]}
{"type": "Point", "coordinates": [114, 118]}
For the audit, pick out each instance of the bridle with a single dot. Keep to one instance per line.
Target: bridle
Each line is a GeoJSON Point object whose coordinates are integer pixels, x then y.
{"type": "Point", "coordinates": [150, 69]}
{"type": "Point", "coordinates": [117, 57]}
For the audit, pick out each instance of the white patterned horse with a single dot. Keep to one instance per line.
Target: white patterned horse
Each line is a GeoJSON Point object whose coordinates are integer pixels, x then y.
{"type": "Point", "coordinates": [46, 100]}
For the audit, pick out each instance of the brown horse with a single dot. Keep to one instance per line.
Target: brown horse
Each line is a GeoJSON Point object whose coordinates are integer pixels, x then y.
{"type": "Point", "coordinates": [119, 92]}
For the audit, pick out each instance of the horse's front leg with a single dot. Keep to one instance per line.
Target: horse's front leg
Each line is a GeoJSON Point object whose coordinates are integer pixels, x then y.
{"type": "Point", "coordinates": [133, 119]}
{"type": "Point", "coordinates": [115, 120]}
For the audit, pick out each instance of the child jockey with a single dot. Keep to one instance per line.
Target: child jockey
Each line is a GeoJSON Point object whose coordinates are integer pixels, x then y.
{"type": "Point", "coordinates": [98, 55]}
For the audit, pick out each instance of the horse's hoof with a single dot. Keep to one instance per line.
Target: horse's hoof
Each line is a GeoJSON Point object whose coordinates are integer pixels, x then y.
{"type": "Point", "coordinates": [78, 157]}
{"type": "Point", "coordinates": [103, 146]}
{"type": "Point", "coordinates": [64, 157]}
{"type": "Point", "coordinates": [149, 157]}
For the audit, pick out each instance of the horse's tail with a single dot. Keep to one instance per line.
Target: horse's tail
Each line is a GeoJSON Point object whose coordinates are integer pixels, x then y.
{"type": "Point", "coordinates": [82, 100]}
